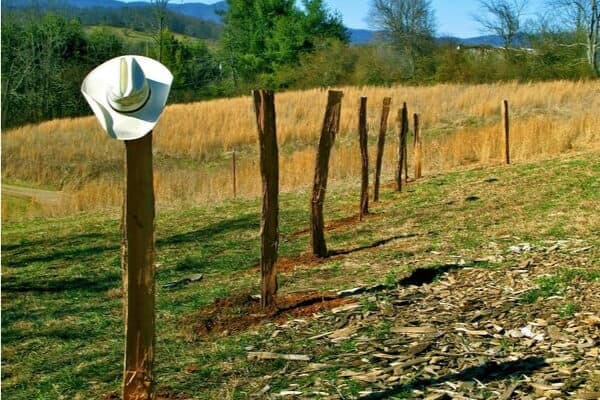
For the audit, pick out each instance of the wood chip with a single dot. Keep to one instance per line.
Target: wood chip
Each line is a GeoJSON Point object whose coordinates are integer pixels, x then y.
{"type": "Point", "coordinates": [438, 396]}
{"type": "Point", "coordinates": [473, 332]}
{"type": "Point", "coordinates": [344, 308]}
{"type": "Point", "coordinates": [343, 333]}
{"type": "Point", "coordinates": [413, 330]}
{"type": "Point", "coordinates": [400, 366]}
{"type": "Point", "coordinates": [265, 355]}
{"type": "Point", "coordinates": [587, 395]}
{"type": "Point", "coordinates": [509, 391]}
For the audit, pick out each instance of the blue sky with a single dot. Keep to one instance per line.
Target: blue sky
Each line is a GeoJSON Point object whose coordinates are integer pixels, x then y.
{"type": "Point", "coordinates": [454, 17]}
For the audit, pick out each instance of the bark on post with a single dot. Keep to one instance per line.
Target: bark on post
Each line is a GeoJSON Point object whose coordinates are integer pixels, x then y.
{"type": "Point", "coordinates": [264, 106]}
{"type": "Point", "coordinates": [402, 133]}
{"type": "Point", "coordinates": [506, 125]}
{"type": "Point", "coordinates": [138, 269]}
{"type": "Point", "coordinates": [234, 173]}
{"type": "Point", "coordinates": [385, 112]}
{"type": "Point", "coordinates": [331, 124]}
{"type": "Point", "coordinates": [364, 156]}
{"type": "Point", "coordinates": [405, 147]}
{"type": "Point", "coordinates": [418, 147]}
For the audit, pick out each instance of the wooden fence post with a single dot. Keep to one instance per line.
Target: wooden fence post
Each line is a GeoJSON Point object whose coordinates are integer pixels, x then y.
{"type": "Point", "coordinates": [138, 269]}
{"type": "Point", "coordinates": [331, 124]}
{"type": "Point", "coordinates": [364, 156]}
{"type": "Point", "coordinates": [402, 133]}
{"type": "Point", "coordinates": [385, 112]}
{"type": "Point", "coordinates": [405, 149]}
{"type": "Point", "coordinates": [264, 106]}
{"type": "Point", "coordinates": [234, 173]}
{"type": "Point", "coordinates": [506, 124]}
{"type": "Point", "coordinates": [418, 147]}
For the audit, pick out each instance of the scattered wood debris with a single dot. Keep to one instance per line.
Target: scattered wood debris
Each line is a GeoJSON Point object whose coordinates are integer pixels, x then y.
{"type": "Point", "coordinates": [470, 333]}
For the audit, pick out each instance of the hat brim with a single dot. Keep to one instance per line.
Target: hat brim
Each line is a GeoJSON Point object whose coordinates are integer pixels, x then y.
{"type": "Point", "coordinates": [131, 125]}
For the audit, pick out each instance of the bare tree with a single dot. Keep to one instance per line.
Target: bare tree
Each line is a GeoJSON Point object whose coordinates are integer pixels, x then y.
{"type": "Point", "coordinates": [409, 25]}
{"type": "Point", "coordinates": [582, 17]}
{"type": "Point", "coordinates": [502, 18]}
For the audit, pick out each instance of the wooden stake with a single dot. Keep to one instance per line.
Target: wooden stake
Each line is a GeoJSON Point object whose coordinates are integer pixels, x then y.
{"type": "Point", "coordinates": [331, 124]}
{"type": "Point", "coordinates": [418, 146]}
{"type": "Point", "coordinates": [506, 124]}
{"type": "Point", "coordinates": [405, 149]}
{"type": "Point", "coordinates": [364, 156]}
{"type": "Point", "coordinates": [264, 106]}
{"type": "Point", "coordinates": [233, 168]}
{"type": "Point", "coordinates": [402, 133]}
{"type": "Point", "coordinates": [383, 125]}
{"type": "Point", "coordinates": [138, 269]}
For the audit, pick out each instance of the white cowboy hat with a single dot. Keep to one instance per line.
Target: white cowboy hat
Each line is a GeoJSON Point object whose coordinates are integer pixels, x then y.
{"type": "Point", "coordinates": [128, 94]}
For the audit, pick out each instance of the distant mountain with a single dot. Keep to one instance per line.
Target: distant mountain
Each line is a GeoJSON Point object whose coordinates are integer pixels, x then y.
{"type": "Point", "coordinates": [207, 12]}
{"type": "Point", "coordinates": [486, 40]}
{"type": "Point", "coordinates": [203, 11]}
{"type": "Point", "coordinates": [361, 36]}
{"type": "Point", "coordinates": [63, 3]}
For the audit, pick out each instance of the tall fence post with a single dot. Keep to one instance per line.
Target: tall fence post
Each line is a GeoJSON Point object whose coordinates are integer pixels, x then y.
{"type": "Point", "coordinates": [418, 147]}
{"type": "Point", "coordinates": [402, 133]}
{"type": "Point", "coordinates": [264, 106]}
{"type": "Point", "coordinates": [331, 124]}
{"type": "Point", "coordinates": [506, 125]}
{"type": "Point", "coordinates": [234, 174]}
{"type": "Point", "coordinates": [364, 156]}
{"type": "Point", "coordinates": [138, 270]}
{"type": "Point", "coordinates": [383, 125]}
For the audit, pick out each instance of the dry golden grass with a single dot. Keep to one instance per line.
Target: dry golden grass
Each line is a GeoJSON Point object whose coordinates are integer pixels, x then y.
{"type": "Point", "coordinates": [461, 127]}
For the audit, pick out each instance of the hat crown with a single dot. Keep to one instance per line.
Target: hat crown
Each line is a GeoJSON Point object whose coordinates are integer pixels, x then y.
{"type": "Point", "coordinates": [131, 91]}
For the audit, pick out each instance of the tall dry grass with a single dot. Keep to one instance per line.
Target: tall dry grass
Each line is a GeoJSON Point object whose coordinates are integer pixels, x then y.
{"type": "Point", "coordinates": [461, 127]}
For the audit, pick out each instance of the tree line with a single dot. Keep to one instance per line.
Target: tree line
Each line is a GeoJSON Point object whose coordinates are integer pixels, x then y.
{"type": "Point", "coordinates": [279, 44]}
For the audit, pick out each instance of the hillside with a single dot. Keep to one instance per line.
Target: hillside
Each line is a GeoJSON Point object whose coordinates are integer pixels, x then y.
{"type": "Point", "coordinates": [190, 19]}
{"type": "Point", "coordinates": [490, 286]}
{"type": "Point", "coordinates": [133, 38]}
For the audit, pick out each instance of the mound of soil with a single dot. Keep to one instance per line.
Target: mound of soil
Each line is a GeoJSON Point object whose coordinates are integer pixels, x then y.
{"type": "Point", "coordinates": [237, 313]}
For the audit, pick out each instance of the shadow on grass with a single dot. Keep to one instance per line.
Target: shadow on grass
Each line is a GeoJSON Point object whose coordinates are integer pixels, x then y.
{"type": "Point", "coordinates": [486, 372]}
{"type": "Point", "coordinates": [75, 247]}
{"type": "Point", "coordinates": [86, 249]}
{"type": "Point", "coordinates": [378, 243]}
{"type": "Point", "coordinates": [245, 223]}
{"type": "Point", "coordinates": [86, 246]}
{"type": "Point", "coordinates": [90, 284]}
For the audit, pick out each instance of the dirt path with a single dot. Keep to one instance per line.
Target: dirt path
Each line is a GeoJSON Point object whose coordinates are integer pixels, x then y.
{"type": "Point", "coordinates": [42, 196]}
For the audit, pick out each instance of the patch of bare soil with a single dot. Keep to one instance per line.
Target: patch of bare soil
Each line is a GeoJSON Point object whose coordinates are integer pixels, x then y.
{"type": "Point", "coordinates": [527, 329]}
{"type": "Point", "coordinates": [237, 313]}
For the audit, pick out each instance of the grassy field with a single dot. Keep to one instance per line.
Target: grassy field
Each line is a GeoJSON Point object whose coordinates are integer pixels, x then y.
{"type": "Point", "coordinates": [193, 142]}
{"type": "Point", "coordinates": [61, 306]}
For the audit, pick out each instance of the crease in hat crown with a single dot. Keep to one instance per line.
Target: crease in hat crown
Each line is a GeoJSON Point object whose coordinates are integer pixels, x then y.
{"type": "Point", "coordinates": [132, 90]}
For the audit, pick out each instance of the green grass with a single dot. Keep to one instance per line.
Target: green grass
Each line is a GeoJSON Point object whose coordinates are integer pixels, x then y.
{"type": "Point", "coordinates": [557, 284]}
{"type": "Point", "coordinates": [61, 306]}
